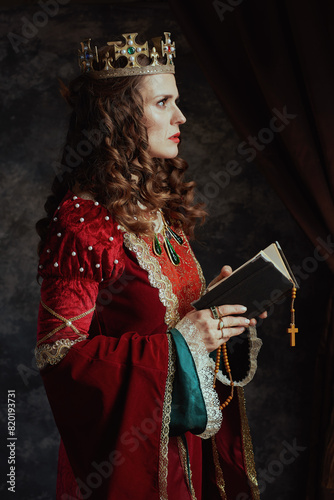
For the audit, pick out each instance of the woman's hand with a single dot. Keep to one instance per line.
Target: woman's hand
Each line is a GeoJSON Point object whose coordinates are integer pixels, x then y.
{"type": "Point", "coordinates": [234, 324]}
{"type": "Point", "coordinates": [224, 272]}
{"type": "Point", "coordinates": [233, 321]}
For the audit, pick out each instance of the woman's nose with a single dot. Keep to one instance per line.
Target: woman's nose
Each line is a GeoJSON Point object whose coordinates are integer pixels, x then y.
{"type": "Point", "coordinates": [179, 116]}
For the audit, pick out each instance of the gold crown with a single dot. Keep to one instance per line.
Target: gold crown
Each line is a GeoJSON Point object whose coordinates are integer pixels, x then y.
{"type": "Point", "coordinates": [160, 57]}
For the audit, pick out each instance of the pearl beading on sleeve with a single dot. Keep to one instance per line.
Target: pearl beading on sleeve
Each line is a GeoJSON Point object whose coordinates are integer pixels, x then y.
{"type": "Point", "coordinates": [72, 256]}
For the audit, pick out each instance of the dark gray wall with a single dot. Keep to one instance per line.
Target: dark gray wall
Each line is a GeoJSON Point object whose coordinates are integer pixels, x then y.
{"type": "Point", "coordinates": [246, 215]}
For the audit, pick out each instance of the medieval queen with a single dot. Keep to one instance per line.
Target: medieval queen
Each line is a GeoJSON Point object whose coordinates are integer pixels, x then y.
{"type": "Point", "coordinates": [143, 409]}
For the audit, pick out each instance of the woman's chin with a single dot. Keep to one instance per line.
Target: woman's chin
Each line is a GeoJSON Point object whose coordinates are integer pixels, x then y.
{"type": "Point", "coordinates": [167, 153]}
{"type": "Point", "coordinates": [166, 156]}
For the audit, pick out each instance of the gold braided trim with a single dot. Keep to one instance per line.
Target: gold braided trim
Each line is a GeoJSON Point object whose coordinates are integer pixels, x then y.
{"type": "Point", "coordinates": [66, 322]}
{"type": "Point", "coordinates": [51, 354]}
{"type": "Point", "coordinates": [218, 470]}
{"type": "Point", "coordinates": [247, 446]}
{"type": "Point", "coordinates": [199, 268]}
{"type": "Point", "coordinates": [166, 410]}
{"type": "Point", "coordinates": [156, 278]}
{"type": "Point", "coordinates": [184, 462]}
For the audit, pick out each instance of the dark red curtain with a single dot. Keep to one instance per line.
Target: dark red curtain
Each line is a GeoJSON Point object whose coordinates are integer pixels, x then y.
{"type": "Point", "coordinates": [271, 65]}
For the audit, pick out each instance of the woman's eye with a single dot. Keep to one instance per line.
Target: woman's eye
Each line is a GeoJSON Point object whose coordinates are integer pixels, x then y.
{"type": "Point", "coordinates": [162, 103]}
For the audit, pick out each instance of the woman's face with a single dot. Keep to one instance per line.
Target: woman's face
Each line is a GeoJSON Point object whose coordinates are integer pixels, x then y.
{"type": "Point", "coordinates": [162, 116]}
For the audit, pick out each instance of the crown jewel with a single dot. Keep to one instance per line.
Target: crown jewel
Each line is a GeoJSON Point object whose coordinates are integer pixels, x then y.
{"type": "Point", "coordinates": [160, 57]}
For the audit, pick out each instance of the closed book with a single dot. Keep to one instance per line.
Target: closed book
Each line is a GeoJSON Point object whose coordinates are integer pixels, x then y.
{"type": "Point", "coordinates": [258, 284]}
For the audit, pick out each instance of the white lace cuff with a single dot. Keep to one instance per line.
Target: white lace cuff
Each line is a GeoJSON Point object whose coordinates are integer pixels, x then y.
{"type": "Point", "coordinates": [254, 346]}
{"type": "Point", "coordinates": [205, 374]}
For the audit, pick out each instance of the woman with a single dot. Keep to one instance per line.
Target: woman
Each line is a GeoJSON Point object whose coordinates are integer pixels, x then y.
{"type": "Point", "coordinates": [123, 354]}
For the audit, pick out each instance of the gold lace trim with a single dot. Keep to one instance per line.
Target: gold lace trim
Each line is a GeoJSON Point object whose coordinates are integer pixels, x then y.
{"type": "Point", "coordinates": [66, 322]}
{"type": "Point", "coordinates": [51, 354]}
{"type": "Point", "coordinates": [248, 446]}
{"type": "Point", "coordinates": [156, 278]}
{"type": "Point", "coordinates": [218, 470]}
{"type": "Point", "coordinates": [198, 265]}
{"type": "Point", "coordinates": [184, 462]}
{"type": "Point", "coordinates": [166, 411]}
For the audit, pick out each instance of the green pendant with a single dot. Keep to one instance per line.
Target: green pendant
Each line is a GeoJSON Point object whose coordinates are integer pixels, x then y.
{"type": "Point", "coordinates": [175, 236]}
{"type": "Point", "coordinates": [171, 252]}
{"type": "Point", "coordinates": [156, 246]}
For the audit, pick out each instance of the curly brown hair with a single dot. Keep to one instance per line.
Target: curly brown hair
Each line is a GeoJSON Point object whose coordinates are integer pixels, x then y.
{"type": "Point", "coordinates": [106, 134]}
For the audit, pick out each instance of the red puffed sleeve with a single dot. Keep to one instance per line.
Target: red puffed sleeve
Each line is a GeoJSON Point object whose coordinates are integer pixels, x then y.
{"type": "Point", "coordinates": [83, 252]}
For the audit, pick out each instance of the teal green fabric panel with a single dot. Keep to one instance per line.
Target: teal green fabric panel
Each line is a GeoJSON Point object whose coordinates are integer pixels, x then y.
{"type": "Point", "coordinates": [188, 411]}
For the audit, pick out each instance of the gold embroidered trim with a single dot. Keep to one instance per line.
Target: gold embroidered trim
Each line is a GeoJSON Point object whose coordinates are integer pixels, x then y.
{"type": "Point", "coordinates": [166, 410]}
{"type": "Point", "coordinates": [51, 354]}
{"type": "Point", "coordinates": [156, 278]}
{"type": "Point", "coordinates": [66, 322]}
{"type": "Point", "coordinates": [218, 470]}
{"type": "Point", "coordinates": [198, 265]}
{"type": "Point", "coordinates": [184, 463]}
{"type": "Point", "coordinates": [247, 446]}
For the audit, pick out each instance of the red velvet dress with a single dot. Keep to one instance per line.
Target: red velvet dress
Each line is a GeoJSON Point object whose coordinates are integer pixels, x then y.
{"type": "Point", "coordinates": [107, 359]}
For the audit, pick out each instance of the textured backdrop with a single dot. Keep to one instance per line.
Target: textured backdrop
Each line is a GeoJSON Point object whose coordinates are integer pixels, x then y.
{"type": "Point", "coordinates": [245, 216]}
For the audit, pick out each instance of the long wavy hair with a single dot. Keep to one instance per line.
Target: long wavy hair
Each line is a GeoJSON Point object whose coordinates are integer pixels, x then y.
{"type": "Point", "coordinates": [106, 134]}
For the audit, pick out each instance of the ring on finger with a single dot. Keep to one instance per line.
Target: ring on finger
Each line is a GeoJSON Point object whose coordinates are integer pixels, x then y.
{"type": "Point", "coordinates": [215, 313]}
{"type": "Point", "coordinates": [221, 326]}
{"type": "Point", "coordinates": [219, 314]}
{"type": "Point", "coordinates": [224, 335]}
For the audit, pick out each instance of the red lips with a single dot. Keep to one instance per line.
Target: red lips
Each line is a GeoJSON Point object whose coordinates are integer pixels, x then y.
{"type": "Point", "coordinates": [175, 137]}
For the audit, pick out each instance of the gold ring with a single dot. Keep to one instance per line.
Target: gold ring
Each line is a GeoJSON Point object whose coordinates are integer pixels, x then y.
{"type": "Point", "coordinates": [218, 312]}
{"type": "Point", "coordinates": [215, 314]}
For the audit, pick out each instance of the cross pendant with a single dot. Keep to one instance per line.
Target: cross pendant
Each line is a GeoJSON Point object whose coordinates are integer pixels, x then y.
{"type": "Point", "coordinates": [292, 330]}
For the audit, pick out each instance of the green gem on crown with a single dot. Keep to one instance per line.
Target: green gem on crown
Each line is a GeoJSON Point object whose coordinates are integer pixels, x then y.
{"type": "Point", "coordinates": [131, 50]}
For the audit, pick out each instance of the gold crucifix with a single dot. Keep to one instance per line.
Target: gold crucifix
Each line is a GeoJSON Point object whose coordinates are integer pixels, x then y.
{"type": "Point", "coordinates": [292, 330]}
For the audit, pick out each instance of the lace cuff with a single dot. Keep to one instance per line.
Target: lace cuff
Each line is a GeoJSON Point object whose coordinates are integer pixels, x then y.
{"type": "Point", "coordinates": [51, 354]}
{"type": "Point", "coordinates": [205, 374]}
{"type": "Point", "coordinates": [254, 347]}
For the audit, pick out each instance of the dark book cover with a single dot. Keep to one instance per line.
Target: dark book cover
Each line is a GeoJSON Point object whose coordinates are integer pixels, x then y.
{"type": "Point", "coordinates": [257, 285]}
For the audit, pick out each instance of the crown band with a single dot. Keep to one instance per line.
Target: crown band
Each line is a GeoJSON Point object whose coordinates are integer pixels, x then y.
{"type": "Point", "coordinates": [160, 57]}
